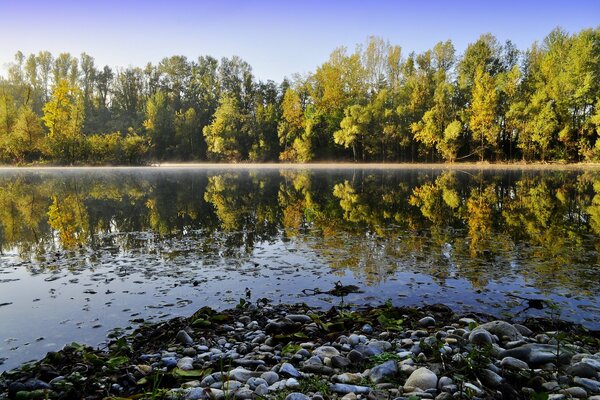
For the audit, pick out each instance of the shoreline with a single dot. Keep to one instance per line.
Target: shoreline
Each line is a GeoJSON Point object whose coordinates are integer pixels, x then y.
{"type": "Point", "coordinates": [320, 165]}
{"type": "Point", "coordinates": [299, 353]}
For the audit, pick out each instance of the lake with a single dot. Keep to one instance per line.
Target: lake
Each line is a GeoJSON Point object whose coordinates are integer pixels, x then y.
{"type": "Point", "coordinates": [85, 251]}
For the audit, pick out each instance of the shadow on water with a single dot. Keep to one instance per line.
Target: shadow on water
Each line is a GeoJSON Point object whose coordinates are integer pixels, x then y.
{"type": "Point", "coordinates": [86, 251]}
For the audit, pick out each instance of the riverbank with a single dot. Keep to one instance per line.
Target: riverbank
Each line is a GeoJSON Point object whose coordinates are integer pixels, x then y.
{"type": "Point", "coordinates": [259, 350]}
{"type": "Point", "coordinates": [326, 165]}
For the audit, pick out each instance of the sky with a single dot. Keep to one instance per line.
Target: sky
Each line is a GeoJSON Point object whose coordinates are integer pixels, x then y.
{"type": "Point", "coordinates": [277, 37]}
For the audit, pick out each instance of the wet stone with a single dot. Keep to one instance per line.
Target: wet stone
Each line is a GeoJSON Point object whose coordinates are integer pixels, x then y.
{"type": "Point", "coordinates": [184, 338]}
{"type": "Point", "coordinates": [289, 370]}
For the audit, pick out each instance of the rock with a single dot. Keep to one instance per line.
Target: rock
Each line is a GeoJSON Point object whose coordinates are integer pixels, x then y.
{"type": "Point", "coordinates": [215, 394]}
{"type": "Point", "coordinates": [186, 364]}
{"type": "Point", "coordinates": [467, 321]}
{"type": "Point", "coordinates": [444, 381]}
{"type": "Point", "coordinates": [348, 378]}
{"type": "Point", "coordinates": [502, 329]}
{"type": "Point", "coordinates": [270, 377]}
{"type": "Point", "coordinates": [184, 338]}
{"type": "Point", "coordinates": [326, 351]}
{"type": "Point", "coordinates": [292, 383]}
{"type": "Point", "coordinates": [473, 389]}
{"type": "Point", "coordinates": [314, 360]}
{"type": "Point", "coordinates": [349, 396]}
{"type": "Point", "coordinates": [340, 362]}
{"type": "Point", "coordinates": [383, 372]}
{"type": "Point", "coordinates": [591, 385]}
{"type": "Point", "coordinates": [523, 330]}
{"type": "Point", "coordinates": [195, 394]}
{"type": "Point", "coordinates": [536, 354]}
{"type": "Point", "coordinates": [592, 361]}
{"type": "Point", "coordinates": [426, 322]}
{"type": "Point", "coordinates": [241, 374]}
{"type": "Point", "coordinates": [582, 369]}
{"type": "Point", "coordinates": [356, 357]}
{"type": "Point", "coordinates": [261, 390]}
{"type": "Point", "coordinates": [480, 337]}
{"type": "Point", "coordinates": [305, 319]}
{"type": "Point", "coordinates": [513, 363]}
{"type": "Point", "coordinates": [169, 362]}
{"type": "Point", "coordinates": [490, 378]}
{"type": "Point", "coordinates": [289, 370]}
{"type": "Point", "coordinates": [423, 379]}
{"type": "Point", "coordinates": [244, 394]}
{"type": "Point", "coordinates": [367, 350]}
{"type": "Point", "coordinates": [254, 382]}
{"type": "Point", "coordinates": [576, 392]}
{"type": "Point", "coordinates": [297, 396]}
{"type": "Point", "coordinates": [367, 329]}
{"type": "Point", "coordinates": [232, 386]}
{"type": "Point", "coordinates": [344, 389]}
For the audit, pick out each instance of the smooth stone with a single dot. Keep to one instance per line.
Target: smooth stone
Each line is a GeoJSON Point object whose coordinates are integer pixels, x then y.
{"type": "Point", "coordinates": [349, 396]}
{"type": "Point", "coordinates": [292, 383]}
{"type": "Point", "coordinates": [244, 394]}
{"type": "Point", "coordinates": [577, 392]}
{"type": "Point", "coordinates": [513, 363]}
{"type": "Point", "coordinates": [297, 396]}
{"type": "Point", "coordinates": [169, 362]}
{"type": "Point", "coordinates": [254, 382]}
{"type": "Point", "coordinates": [536, 354]}
{"type": "Point", "coordinates": [591, 385]}
{"type": "Point", "coordinates": [348, 378]}
{"type": "Point", "coordinates": [556, 396]}
{"type": "Point", "coordinates": [241, 374]}
{"type": "Point", "coordinates": [356, 356]}
{"type": "Point", "coordinates": [207, 381]}
{"type": "Point", "coordinates": [189, 352]}
{"type": "Point", "coordinates": [289, 370]}
{"type": "Point", "coordinates": [326, 351]}
{"type": "Point", "coordinates": [232, 386]}
{"type": "Point", "coordinates": [367, 329]}
{"type": "Point", "coordinates": [582, 369]}
{"type": "Point", "coordinates": [490, 378]}
{"type": "Point", "coordinates": [344, 388]}
{"type": "Point", "coordinates": [215, 394]}
{"type": "Point", "coordinates": [523, 330]}
{"type": "Point", "coordinates": [184, 338]}
{"type": "Point", "coordinates": [592, 361]}
{"type": "Point", "coordinates": [186, 364]}
{"type": "Point", "coordinates": [367, 350]}
{"type": "Point", "coordinates": [426, 322]}
{"type": "Point", "coordinates": [480, 337]}
{"type": "Point", "coordinates": [314, 360]}
{"type": "Point", "coordinates": [340, 362]}
{"type": "Point", "coordinates": [277, 386]}
{"type": "Point", "coordinates": [270, 377]}
{"type": "Point", "coordinates": [261, 390]}
{"type": "Point", "coordinates": [383, 372]}
{"type": "Point", "coordinates": [444, 381]}
{"type": "Point", "coordinates": [299, 318]}
{"type": "Point", "coordinates": [423, 379]}
{"type": "Point", "coordinates": [502, 329]}
{"type": "Point", "coordinates": [550, 386]}
{"type": "Point", "coordinates": [476, 390]}
{"type": "Point", "coordinates": [467, 321]}
{"type": "Point", "coordinates": [195, 394]}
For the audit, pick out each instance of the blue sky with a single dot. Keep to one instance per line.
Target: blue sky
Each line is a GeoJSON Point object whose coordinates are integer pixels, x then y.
{"type": "Point", "coordinates": [277, 38]}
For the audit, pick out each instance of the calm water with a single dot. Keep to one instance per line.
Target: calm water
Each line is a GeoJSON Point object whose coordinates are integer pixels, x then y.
{"type": "Point", "coordinates": [86, 251]}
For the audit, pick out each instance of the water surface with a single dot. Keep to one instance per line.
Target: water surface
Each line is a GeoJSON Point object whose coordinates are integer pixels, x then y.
{"type": "Point", "coordinates": [87, 251]}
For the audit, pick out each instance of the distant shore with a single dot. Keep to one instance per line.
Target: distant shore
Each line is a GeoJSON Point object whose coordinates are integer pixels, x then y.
{"type": "Point", "coordinates": [326, 165]}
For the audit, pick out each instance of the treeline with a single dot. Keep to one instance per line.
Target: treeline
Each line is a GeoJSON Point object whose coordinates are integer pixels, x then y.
{"type": "Point", "coordinates": [494, 102]}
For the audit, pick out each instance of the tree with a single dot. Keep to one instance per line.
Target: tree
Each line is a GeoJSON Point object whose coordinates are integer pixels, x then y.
{"type": "Point", "coordinates": [482, 120]}
{"type": "Point", "coordinates": [188, 133]}
{"type": "Point", "coordinates": [159, 125]}
{"type": "Point", "coordinates": [63, 116]}
{"type": "Point", "coordinates": [225, 135]}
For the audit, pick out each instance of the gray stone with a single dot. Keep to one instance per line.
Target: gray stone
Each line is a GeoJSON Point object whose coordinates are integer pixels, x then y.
{"type": "Point", "coordinates": [523, 330]}
{"type": "Point", "coordinates": [356, 356]}
{"type": "Point", "coordinates": [550, 386]}
{"type": "Point", "coordinates": [232, 386]}
{"type": "Point", "coordinates": [582, 369]}
{"type": "Point", "coordinates": [577, 392]}
{"type": "Point", "coordinates": [344, 388]}
{"type": "Point", "coordinates": [289, 370]}
{"type": "Point", "coordinates": [184, 338]}
{"type": "Point", "coordinates": [592, 361]}
{"type": "Point", "coordinates": [169, 362]}
{"type": "Point", "coordinates": [426, 322]}
{"type": "Point", "coordinates": [536, 354]}
{"type": "Point", "coordinates": [254, 382]}
{"type": "Point", "coordinates": [480, 337]}
{"type": "Point", "coordinates": [215, 394]}
{"type": "Point", "coordinates": [444, 381]}
{"type": "Point", "coordinates": [326, 351]}
{"type": "Point", "coordinates": [207, 381]}
{"type": "Point", "coordinates": [299, 318]}
{"type": "Point", "coordinates": [186, 364]}
{"type": "Point", "coordinates": [297, 396]}
{"type": "Point", "coordinates": [490, 378]}
{"type": "Point", "coordinates": [241, 374]}
{"type": "Point", "coordinates": [340, 362]}
{"type": "Point", "coordinates": [195, 394]}
{"type": "Point", "coordinates": [292, 383]}
{"type": "Point", "coordinates": [314, 360]}
{"type": "Point", "coordinates": [591, 385]}
{"type": "Point", "coordinates": [244, 394]}
{"type": "Point", "coordinates": [502, 329]}
{"type": "Point", "coordinates": [270, 377]}
{"type": "Point", "coordinates": [422, 378]}
{"type": "Point", "coordinates": [513, 363]}
{"type": "Point", "coordinates": [367, 329]}
{"type": "Point", "coordinates": [467, 321]}
{"type": "Point", "coordinates": [348, 378]}
{"type": "Point", "coordinates": [383, 372]}
{"type": "Point", "coordinates": [473, 389]}
{"type": "Point", "coordinates": [261, 390]}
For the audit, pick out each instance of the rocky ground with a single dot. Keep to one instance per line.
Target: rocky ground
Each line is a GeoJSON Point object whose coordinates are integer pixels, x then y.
{"type": "Point", "coordinates": [295, 353]}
